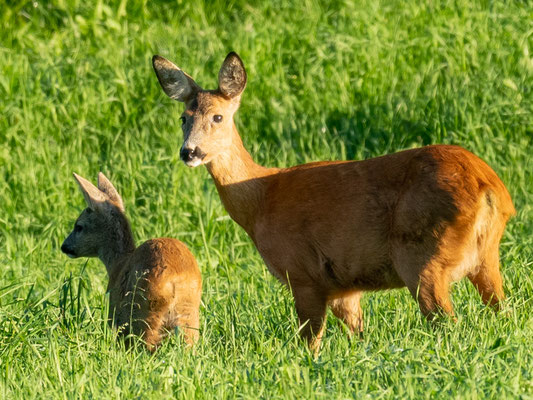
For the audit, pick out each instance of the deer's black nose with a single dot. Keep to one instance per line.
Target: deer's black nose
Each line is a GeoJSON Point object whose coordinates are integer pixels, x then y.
{"type": "Point", "coordinates": [186, 154]}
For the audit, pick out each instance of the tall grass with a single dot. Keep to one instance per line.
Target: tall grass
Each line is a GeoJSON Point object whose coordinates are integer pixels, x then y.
{"type": "Point", "coordinates": [327, 80]}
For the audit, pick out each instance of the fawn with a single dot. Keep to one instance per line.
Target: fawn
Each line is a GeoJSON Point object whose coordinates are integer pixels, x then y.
{"type": "Point", "coordinates": [420, 218]}
{"type": "Point", "coordinates": [153, 288]}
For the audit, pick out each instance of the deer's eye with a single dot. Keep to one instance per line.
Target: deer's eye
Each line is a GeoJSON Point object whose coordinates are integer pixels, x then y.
{"type": "Point", "coordinates": [183, 120]}
{"type": "Point", "coordinates": [78, 228]}
{"type": "Point", "coordinates": [217, 118]}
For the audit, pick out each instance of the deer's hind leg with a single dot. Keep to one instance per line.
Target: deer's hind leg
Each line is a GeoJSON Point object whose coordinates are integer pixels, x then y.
{"type": "Point", "coordinates": [426, 276]}
{"type": "Point", "coordinates": [434, 290]}
{"type": "Point", "coordinates": [488, 280]}
{"type": "Point", "coordinates": [347, 308]}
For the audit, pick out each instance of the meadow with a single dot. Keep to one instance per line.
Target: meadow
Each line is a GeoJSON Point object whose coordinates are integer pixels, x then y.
{"type": "Point", "coordinates": [326, 80]}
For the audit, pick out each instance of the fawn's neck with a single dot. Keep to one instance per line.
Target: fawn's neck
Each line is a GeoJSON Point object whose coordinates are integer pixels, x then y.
{"type": "Point", "coordinates": [240, 182]}
{"type": "Point", "coordinates": [119, 243]}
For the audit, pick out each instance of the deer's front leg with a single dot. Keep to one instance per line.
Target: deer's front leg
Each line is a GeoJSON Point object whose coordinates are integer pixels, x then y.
{"type": "Point", "coordinates": [311, 309]}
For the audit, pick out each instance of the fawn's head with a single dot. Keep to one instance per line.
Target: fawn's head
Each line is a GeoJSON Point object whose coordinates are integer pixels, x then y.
{"type": "Point", "coordinates": [101, 224]}
{"type": "Point", "coordinates": [207, 121]}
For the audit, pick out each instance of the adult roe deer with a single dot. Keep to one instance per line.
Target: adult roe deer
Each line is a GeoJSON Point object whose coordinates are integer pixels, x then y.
{"type": "Point", "coordinates": [420, 218]}
{"type": "Point", "coordinates": [155, 287]}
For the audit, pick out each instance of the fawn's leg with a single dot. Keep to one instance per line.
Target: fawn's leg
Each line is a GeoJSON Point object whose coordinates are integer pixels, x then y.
{"type": "Point", "coordinates": [152, 329]}
{"type": "Point", "coordinates": [188, 321]}
{"type": "Point", "coordinates": [147, 319]}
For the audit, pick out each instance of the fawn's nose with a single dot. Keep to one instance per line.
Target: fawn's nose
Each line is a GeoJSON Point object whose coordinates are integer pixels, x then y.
{"type": "Point", "coordinates": [68, 251]}
{"type": "Point", "coordinates": [65, 249]}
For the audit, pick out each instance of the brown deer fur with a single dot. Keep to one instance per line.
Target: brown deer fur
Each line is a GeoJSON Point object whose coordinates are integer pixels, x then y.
{"type": "Point", "coordinates": [420, 218]}
{"type": "Point", "coordinates": [153, 288]}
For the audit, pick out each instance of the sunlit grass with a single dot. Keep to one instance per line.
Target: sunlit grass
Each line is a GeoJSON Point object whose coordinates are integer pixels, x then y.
{"type": "Point", "coordinates": [327, 80]}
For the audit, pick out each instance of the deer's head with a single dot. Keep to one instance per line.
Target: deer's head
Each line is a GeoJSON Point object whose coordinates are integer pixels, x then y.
{"type": "Point", "coordinates": [207, 121]}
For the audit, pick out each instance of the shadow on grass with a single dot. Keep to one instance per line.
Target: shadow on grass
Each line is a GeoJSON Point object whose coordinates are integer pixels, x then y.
{"type": "Point", "coordinates": [372, 131]}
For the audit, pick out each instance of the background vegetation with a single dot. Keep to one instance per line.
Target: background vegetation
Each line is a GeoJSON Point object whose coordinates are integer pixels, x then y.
{"type": "Point", "coordinates": [327, 80]}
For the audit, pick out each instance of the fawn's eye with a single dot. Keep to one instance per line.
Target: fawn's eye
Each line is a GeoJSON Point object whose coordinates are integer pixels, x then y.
{"type": "Point", "coordinates": [183, 120]}
{"type": "Point", "coordinates": [78, 228]}
{"type": "Point", "coordinates": [217, 118]}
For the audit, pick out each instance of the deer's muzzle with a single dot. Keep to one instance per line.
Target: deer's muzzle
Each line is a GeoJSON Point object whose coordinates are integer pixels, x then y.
{"type": "Point", "coordinates": [192, 157]}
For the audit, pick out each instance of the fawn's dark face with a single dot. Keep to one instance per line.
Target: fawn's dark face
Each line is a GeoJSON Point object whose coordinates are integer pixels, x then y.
{"type": "Point", "coordinates": [96, 227]}
{"type": "Point", "coordinates": [207, 121]}
{"type": "Point", "coordinates": [88, 235]}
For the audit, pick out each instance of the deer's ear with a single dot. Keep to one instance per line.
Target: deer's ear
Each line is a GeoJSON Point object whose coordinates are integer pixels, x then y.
{"type": "Point", "coordinates": [95, 198]}
{"type": "Point", "coordinates": [232, 76]}
{"type": "Point", "coordinates": [175, 83]}
{"type": "Point", "coordinates": [105, 186]}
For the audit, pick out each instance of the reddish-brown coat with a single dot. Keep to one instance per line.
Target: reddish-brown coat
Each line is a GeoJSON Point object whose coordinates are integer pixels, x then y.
{"type": "Point", "coordinates": [419, 218]}
{"type": "Point", "coordinates": [157, 288]}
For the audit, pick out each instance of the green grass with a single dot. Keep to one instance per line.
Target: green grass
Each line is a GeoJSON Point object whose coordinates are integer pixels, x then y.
{"type": "Point", "coordinates": [327, 80]}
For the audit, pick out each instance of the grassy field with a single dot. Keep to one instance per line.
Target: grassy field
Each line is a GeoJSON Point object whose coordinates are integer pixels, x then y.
{"type": "Point", "coordinates": [327, 80]}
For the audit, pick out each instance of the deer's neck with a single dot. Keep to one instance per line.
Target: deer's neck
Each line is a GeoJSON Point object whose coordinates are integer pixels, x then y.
{"type": "Point", "coordinates": [119, 244]}
{"type": "Point", "coordinates": [240, 182]}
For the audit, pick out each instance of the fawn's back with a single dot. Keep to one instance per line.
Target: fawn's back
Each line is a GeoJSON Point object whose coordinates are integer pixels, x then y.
{"type": "Point", "coordinates": [161, 274]}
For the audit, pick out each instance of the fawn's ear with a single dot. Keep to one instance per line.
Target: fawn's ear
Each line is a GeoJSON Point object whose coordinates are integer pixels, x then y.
{"type": "Point", "coordinates": [105, 185]}
{"type": "Point", "coordinates": [95, 198]}
{"type": "Point", "coordinates": [232, 76]}
{"type": "Point", "coordinates": [175, 83]}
